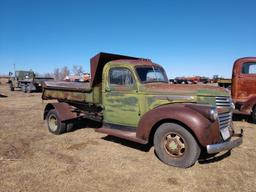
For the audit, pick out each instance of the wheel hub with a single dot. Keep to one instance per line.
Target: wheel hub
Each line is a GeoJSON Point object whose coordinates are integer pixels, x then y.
{"type": "Point", "coordinates": [53, 123]}
{"type": "Point", "coordinates": [174, 145]}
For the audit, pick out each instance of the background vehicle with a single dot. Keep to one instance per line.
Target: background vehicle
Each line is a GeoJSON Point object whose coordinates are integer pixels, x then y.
{"type": "Point", "coordinates": [224, 82]}
{"type": "Point", "coordinates": [132, 99]}
{"type": "Point", "coordinates": [244, 86]}
{"type": "Point", "coordinates": [27, 81]}
{"type": "Point", "coordinates": [191, 80]}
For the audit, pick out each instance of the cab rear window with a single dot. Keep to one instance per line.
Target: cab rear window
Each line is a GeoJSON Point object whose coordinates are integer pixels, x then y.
{"type": "Point", "coordinates": [249, 68]}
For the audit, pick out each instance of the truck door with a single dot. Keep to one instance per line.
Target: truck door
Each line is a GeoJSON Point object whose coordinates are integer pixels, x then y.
{"type": "Point", "coordinates": [247, 80]}
{"type": "Point", "coordinates": [120, 98]}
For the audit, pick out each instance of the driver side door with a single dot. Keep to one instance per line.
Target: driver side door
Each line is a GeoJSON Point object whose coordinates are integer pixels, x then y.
{"type": "Point", "coordinates": [120, 98]}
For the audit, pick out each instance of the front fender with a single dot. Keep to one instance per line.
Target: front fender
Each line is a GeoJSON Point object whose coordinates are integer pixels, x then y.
{"type": "Point", "coordinates": [190, 115]}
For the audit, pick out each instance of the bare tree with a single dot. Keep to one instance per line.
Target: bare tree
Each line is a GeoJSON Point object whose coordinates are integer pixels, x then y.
{"type": "Point", "coordinates": [56, 74]}
{"type": "Point", "coordinates": [64, 72]}
{"type": "Point", "coordinates": [77, 70]}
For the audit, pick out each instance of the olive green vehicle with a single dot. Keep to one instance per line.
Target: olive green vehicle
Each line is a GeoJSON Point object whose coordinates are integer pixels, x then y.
{"type": "Point", "coordinates": [26, 81]}
{"type": "Point", "coordinates": [131, 98]}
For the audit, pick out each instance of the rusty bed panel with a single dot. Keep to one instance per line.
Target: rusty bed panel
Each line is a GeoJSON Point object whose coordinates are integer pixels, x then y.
{"type": "Point", "coordinates": [66, 95]}
{"type": "Point", "coordinates": [68, 91]}
{"type": "Point", "coordinates": [68, 86]}
{"type": "Point", "coordinates": [72, 91]}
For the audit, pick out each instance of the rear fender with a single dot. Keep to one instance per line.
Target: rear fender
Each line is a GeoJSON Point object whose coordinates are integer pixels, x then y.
{"type": "Point", "coordinates": [64, 111]}
{"type": "Point", "coordinates": [190, 115]}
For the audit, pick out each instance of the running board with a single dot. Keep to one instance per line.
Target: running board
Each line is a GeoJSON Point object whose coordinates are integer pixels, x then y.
{"type": "Point", "coordinates": [124, 134]}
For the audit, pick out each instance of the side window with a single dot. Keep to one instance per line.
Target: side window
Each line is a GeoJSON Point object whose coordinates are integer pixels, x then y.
{"type": "Point", "coordinates": [249, 68]}
{"type": "Point", "coordinates": [120, 76]}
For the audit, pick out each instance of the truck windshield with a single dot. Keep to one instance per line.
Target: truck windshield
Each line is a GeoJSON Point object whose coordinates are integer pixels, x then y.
{"type": "Point", "coordinates": [151, 74]}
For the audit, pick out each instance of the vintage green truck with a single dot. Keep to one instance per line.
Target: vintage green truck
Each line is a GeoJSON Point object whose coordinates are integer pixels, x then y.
{"type": "Point", "coordinates": [27, 81]}
{"type": "Point", "coordinates": [131, 98]}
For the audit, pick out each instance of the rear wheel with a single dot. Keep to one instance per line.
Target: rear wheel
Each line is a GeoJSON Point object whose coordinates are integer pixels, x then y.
{"type": "Point", "coordinates": [55, 126]}
{"type": "Point", "coordinates": [70, 126]}
{"type": "Point", "coordinates": [176, 146]}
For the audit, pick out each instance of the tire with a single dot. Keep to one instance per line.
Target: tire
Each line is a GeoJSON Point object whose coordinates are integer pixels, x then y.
{"type": "Point", "coordinates": [253, 116]}
{"type": "Point", "coordinates": [55, 126]}
{"type": "Point", "coordinates": [70, 126]}
{"type": "Point", "coordinates": [23, 88]}
{"type": "Point", "coordinates": [11, 87]}
{"type": "Point", "coordinates": [28, 90]}
{"type": "Point", "coordinates": [176, 146]}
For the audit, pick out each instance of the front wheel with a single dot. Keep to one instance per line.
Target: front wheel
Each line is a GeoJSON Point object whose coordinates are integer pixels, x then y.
{"type": "Point", "coordinates": [28, 89]}
{"type": "Point", "coordinates": [55, 126]}
{"type": "Point", "coordinates": [11, 87]}
{"type": "Point", "coordinates": [23, 88]}
{"type": "Point", "coordinates": [176, 146]}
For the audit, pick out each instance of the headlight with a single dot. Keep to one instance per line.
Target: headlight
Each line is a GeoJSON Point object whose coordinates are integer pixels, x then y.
{"type": "Point", "coordinates": [213, 114]}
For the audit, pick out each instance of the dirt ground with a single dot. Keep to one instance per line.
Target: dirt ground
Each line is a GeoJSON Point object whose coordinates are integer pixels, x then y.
{"type": "Point", "coordinates": [32, 159]}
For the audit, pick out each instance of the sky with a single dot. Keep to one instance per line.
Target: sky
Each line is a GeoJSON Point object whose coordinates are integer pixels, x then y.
{"type": "Point", "coordinates": [199, 37]}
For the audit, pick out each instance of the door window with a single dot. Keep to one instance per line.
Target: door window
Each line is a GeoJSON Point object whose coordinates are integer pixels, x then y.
{"type": "Point", "coordinates": [249, 68]}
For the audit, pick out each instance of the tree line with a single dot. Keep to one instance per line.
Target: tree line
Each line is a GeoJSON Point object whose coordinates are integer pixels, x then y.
{"type": "Point", "coordinates": [62, 73]}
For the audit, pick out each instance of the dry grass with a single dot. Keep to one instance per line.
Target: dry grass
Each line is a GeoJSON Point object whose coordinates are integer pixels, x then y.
{"type": "Point", "coordinates": [32, 159]}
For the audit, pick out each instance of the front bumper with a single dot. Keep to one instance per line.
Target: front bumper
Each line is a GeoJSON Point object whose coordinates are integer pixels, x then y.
{"type": "Point", "coordinates": [227, 145]}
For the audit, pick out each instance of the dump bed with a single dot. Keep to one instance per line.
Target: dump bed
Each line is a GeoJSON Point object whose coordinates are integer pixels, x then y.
{"type": "Point", "coordinates": [71, 91]}
{"type": "Point", "coordinates": [80, 91]}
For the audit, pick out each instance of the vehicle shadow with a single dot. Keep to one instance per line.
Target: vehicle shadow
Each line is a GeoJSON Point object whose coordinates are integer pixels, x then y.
{"type": "Point", "coordinates": [238, 117]}
{"type": "Point", "coordinates": [127, 143]}
{"type": "Point", "coordinates": [1, 95]}
{"type": "Point", "coordinates": [85, 123]}
{"type": "Point", "coordinates": [212, 158]}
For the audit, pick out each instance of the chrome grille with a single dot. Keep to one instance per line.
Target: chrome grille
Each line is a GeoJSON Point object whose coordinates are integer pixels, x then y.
{"type": "Point", "coordinates": [223, 101]}
{"type": "Point", "coordinates": [225, 119]}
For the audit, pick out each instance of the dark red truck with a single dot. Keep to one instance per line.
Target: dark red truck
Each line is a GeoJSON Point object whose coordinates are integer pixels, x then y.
{"type": "Point", "coordinates": [244, 87]}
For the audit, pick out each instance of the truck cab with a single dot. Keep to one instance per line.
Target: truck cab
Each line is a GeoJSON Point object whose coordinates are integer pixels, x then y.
{"type": "Point", "coordinates": [244, 86]}
{"type": "Point", "coordinates": [124, 94]}
{"type": "Point", "coordinates": [132, 99]}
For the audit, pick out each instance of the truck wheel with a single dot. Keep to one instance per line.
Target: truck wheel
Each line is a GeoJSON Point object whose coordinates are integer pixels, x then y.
{"type": "Point", "coordinates": [23, 88]}
{"type": "Point", "coordinates": [175, 146]}
{"type": "Point", "coordinates": [70, 126]}
{"type": "Point", "coordinates": [11, 87]}
{"type": "Point", "coordinates": [28, 90]}
{"type": "Point", "coordinates": [254, 115]}
{"type": "Point", "coordinates": [55, 126]}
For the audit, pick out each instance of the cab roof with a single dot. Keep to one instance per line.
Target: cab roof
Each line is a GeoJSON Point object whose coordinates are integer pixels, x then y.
{"type": "Point", "coordinates": [101, 59]}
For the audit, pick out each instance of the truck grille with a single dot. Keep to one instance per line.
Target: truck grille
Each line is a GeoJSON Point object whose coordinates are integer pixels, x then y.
{"type": "Point", "coordinates": [223, 102]}
{"type": "Point", "coordinates": [225, 119]}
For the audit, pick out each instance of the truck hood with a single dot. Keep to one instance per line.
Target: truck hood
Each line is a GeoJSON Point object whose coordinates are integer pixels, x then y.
{"type": "Point", "coordinates": [181, 89]}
